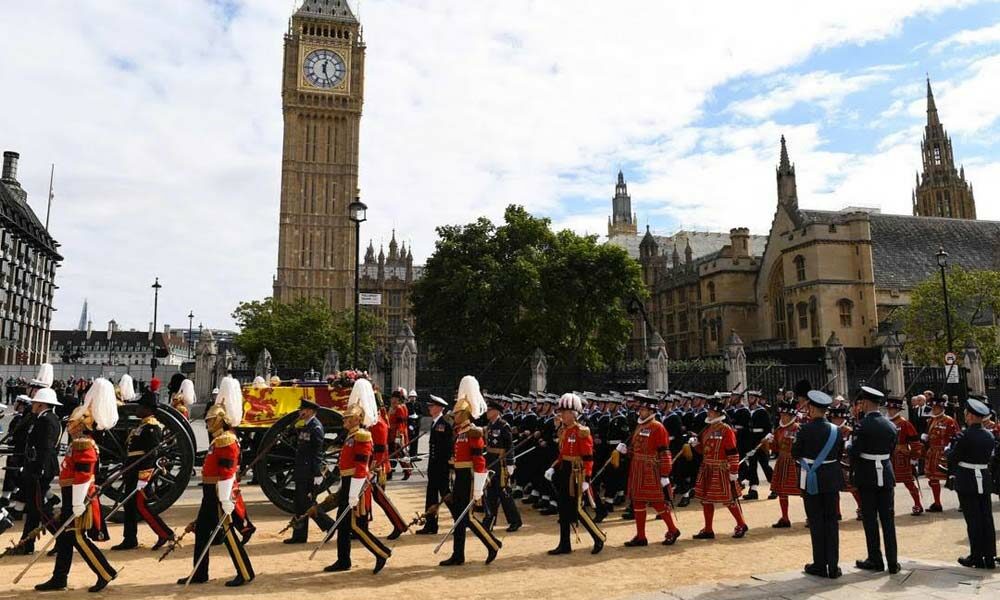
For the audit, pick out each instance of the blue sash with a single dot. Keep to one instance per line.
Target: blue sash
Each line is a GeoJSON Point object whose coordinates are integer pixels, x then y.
{"type": "Point", "coordinates": [812, 481]}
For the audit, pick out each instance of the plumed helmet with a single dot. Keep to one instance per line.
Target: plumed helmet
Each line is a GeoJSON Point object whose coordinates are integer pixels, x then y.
{"type": "Point", "coordinates": [126, 388]}
{"type": "Point", "coordinates": [229, 401]}
{"type": "Point", "coordinates": [362, 404]}
{"type": "Point", "coordinates": [187, 392]}
{"type": "Point", "coordinates": [413, 394]}
{"type": "Point", "coordinates": [259, 383]}
{"type": "Point", "coordinates": [469, 398]}
{"type": "Point", "coordinates": [100, 407]}
{"type": "Point", "coordinates": [175, 383]}
{"type": "Point", "coordinates": [275, 381]}
{"type": "Point", "coordinates": [571, 402]}
{"type": "Point", "coordinates": [44, 378]}
{"type": "Point", "coordinates": [154, 384]}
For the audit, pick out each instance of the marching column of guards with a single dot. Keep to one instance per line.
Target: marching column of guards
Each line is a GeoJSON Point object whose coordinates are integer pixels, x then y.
{"type": "Point", "coordinates": [578, 456]}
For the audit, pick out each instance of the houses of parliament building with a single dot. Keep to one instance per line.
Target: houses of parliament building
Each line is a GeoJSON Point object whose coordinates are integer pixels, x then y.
{"type": "Point", "coordinates": [816, 273]}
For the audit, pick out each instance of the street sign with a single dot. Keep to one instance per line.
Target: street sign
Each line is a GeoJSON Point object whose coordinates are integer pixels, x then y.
{"type": "Point", "coordinates": [952, 374]}
{"type": "Point", "coordinates": [366, 299]}
{"type": "Point", "coordinates": [949, 358]}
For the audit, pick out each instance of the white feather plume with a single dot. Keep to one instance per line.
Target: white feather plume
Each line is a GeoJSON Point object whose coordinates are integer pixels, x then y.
{"type": "Point", "coordinates": [468, 389]}
{"type": "Point", "coordinates": [231, 398]}
{"type": "Point", "coordinates": [187, 392]}
{"type": "Point", "coordinates": [363, 396]}
{"type": "Point", "coordinates": [100, 400]}
{"type": "Point", "coordinates": [126, 388]}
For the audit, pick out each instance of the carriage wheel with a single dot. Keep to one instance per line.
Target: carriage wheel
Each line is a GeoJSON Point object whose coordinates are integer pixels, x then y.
{"type": "Point", "coordinates": [276, 470]}
{"type": "Point", "coordinates": [176, 459]}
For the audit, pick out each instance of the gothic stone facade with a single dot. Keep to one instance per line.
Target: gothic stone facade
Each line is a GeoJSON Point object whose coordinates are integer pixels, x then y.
{"type": "Point", "coordinates": [816, 272]}
{"type": "Point", "coordinates": [393, 277]}
{"type": "Point", "coordinates": [28, 261]}
{"type": "Point", "coordinates": [322, 93]}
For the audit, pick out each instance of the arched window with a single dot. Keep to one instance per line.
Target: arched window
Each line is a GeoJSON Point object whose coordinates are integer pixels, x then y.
{"type": "Point", "coordinates": [813, 317]}
{"type": "Point", "coordinates": [846, 308]}
{"type": "Point", "coordinates": [800, 268]}
{"type": "Point", "coordinates": [803, 315]}
{"type": "Point", "coordinates": [711, 291]}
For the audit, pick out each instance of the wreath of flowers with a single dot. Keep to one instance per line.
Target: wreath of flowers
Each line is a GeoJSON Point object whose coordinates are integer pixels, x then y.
{"type": "Point", "coordinates": [346, 379]}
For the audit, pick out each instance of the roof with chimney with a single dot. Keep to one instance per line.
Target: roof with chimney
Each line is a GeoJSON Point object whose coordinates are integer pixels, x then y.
{"type": "Point", "coordinates": [332, 10]}
{"type": "Point", "coordinates": [904, 247]}
{"type": "Point", "coordinates": [137, 340]}
{"type": "Point", "coordinates": [702, 243]}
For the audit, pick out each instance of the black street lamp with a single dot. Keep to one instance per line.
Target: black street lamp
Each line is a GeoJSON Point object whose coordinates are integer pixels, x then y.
{"type": "Point", "coordinates": [190, 331]}
{"type": "Point", "coordinates": [156, 306]}
{"type": "Point", "coordinates": [358, 214]}
{"type": "Point", "coordinates": [942, 261]}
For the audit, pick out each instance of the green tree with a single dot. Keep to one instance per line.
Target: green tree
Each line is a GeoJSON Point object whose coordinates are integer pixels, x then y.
{"type": "Point", "coordinates": [492, 294]}
{"type": "Point", "coordinates": [299, 333]}
{"type": "Point", "coordinates": [974, 303]}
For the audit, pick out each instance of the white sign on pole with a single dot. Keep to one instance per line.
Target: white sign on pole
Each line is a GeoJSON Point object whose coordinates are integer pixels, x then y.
{"type": "Point", "coordinates": [366, 299]}
{"type": "Point", "coordinates": [952, 374]}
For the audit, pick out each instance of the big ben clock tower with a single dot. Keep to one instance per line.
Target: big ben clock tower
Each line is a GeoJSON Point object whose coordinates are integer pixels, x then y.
{"type": "Point", "coordinates": [322, 90]}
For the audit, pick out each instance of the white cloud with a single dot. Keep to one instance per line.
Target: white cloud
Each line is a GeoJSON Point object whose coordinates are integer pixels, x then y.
{"type": "Point", "coordinates": [970, 37]}
{"type": "Point", "coordinates": [827, 90]}
{"type": "Point", "coordinates": [164, 121]}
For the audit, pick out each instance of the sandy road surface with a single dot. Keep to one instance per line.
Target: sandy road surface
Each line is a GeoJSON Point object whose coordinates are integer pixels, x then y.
{"type": "Point", "coordinates": [523, 570]}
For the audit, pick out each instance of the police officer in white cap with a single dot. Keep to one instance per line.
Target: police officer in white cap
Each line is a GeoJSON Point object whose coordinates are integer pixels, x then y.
{"type": "Point", "coordinates": [969, 476]}
{"type": "Point", "coordinates": [871, 456]}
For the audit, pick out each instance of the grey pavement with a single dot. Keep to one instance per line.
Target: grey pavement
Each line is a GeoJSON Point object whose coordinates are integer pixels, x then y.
{"type": "Point", "coordinates": [918, 579]}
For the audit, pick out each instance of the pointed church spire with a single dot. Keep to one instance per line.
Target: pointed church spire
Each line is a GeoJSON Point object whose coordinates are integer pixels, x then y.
{"type": "Point", "coordinates": [393, 247]}
{"type": "Point", "coordinates": [787, 192]}
{"type": "Point", "coordinates": [932, 113]}
{"type": "Point", "coordinates": [621, 177]}
{"type": "Point", "coordinates": [784, 165]}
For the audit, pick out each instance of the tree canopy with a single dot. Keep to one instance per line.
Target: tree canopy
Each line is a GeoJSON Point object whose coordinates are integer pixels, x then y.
{"type": "Point", "coordinates": [300, 333]}
{"type": "Point", "coordinates": [493, 293]}
{"type": "Point", "coordinates": [974, 303]}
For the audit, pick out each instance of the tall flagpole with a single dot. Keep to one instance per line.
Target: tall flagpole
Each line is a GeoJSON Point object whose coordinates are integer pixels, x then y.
{"type": "Point", "coordinates": [48, 211]}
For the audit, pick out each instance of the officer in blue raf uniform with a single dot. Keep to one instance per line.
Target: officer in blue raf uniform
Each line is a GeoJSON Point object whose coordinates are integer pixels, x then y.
{"type": "Point", "coordinates": [308, 473]}
{"type": "Point", "coordinates": [871, 457]}
{"type": "Point", "coordinates": [817, 447]}
{"type": "Point", "coordinates": [969, 476]}
{"type": "Point", "coordinates": [439, 453]}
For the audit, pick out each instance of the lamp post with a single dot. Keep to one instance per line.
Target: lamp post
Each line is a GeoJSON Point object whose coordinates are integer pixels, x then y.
{"type": "Point", "coordinates": [942, 261]}
{"type": "Point", "coordinates": [358, 214]}
{"type": "Point", "coordinates": [190, 331]}
{"type": "Point", "coordinates": [156, 306]}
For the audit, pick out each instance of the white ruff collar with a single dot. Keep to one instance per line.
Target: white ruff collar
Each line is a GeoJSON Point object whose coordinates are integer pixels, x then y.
{"type": "Point", "coordinates": [646, 420]}
{"type": "Point", "coordinates": [718, 419]}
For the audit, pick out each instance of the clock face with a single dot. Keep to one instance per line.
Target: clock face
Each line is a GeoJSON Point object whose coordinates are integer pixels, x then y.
{"type": "Point", "coordinates": [324, 69]}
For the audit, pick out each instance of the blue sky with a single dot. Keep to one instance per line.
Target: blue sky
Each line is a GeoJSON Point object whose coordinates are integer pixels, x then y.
{"type": "Point", "coordinates": [164, 122]}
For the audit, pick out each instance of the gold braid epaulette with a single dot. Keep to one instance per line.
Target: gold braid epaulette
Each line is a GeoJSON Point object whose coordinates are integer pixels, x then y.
{"type": "Point", "coordinates": [363, 435]}
{"type": "Point", "coordinates": [584, 431]}
{"type": "Point", "coordinates": [224, 439]}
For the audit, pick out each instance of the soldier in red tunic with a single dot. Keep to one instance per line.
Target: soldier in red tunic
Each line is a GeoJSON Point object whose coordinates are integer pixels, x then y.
{"type": "Point", "coordinates": [650, 465]}
{"type": "Point", "coordinates": [218, 477]}
{"type": "Point", "coordinates": [940, 429]}
{"type": "Point", "coordinates": [76, 477]}
{"type": "Point", "coordinates": [380, 470]}
{"type": "Point", "coordinates": [571, 473]}
{"type": "Point", "coordinates": [355, 491]}
{"type": "Point", "coordinates": [785, 480]}
{"type": "Point", "coordinates": [838, 416]}
{"type": "Point", "coordinates": [719, 471]}
{"type": "Point", "coordinates": [469, 462]}
{"type": "Point", "coordinates": [906, 456]}
{"type": "Point", "coordinates": [399, 433]}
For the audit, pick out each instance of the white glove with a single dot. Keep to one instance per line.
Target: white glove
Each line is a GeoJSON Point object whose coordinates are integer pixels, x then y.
{"type": "Point", "coordinates": [478, 485]}
{"type": "Point", "coordinates": [664, 482]}
{"type": "Point", "coordinates": [318, 480]}
{"type": "Point", "coordinates": [354, 495]}
{"type": "Point", "coordinates": [769, 437]}
{"type": "Point", "coordinates": [622, 449]}
{"type": "Point", "coordinates": [224, 489]}
{"type": "Point", "coordinates": [734, 477]}
{"type": "Point", "coordinates": [914, 463]}
{"type": "Point", "coordinates": [586, 486]}
{"type": "Point", "coordinates": [694, 442]}
{"type": "Point", "coordinates": [80, 498]}
{"type": "Point", "coordinates": [510, 469]}
{"type": "Point", "coordinates": [550, 473]}
{"type": "Point", "coordinates": [751, 453]}
{"type": "Point", "coordinates": [924, 437]}
{"type": "Point", "coordinates": [141, 484]}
